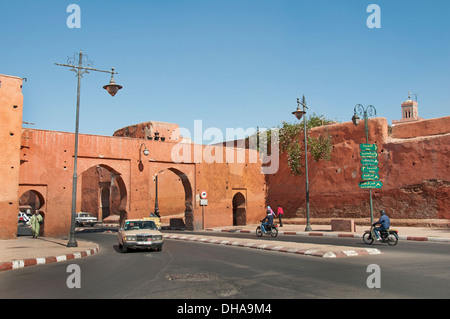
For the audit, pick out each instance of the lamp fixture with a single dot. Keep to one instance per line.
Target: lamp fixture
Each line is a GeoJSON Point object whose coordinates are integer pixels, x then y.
{"type": "Point", "coordinates": [299, 113]}
{"type": "Point", "coordinates": [112, 87]}
{"type": "Point", "coordinates": [146, 152]}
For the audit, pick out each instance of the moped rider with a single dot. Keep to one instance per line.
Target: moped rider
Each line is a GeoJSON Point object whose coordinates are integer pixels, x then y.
{"type": "Point", "coordinates": [268, 220]}
{"type": "Point", "coordinates": [384, 223]}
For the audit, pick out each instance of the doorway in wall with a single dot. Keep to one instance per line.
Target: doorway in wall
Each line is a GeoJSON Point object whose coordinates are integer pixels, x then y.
{"type": "Point", "coordinates": [29, 202]}
{"type": "Point", "coordinates": [239, 210]}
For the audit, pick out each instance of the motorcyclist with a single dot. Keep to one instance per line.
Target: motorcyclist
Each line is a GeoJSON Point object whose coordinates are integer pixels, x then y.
{"type": "Point", "coordinates": [268, 220]}
{"type": "Point", "coordinates": [384, 223]}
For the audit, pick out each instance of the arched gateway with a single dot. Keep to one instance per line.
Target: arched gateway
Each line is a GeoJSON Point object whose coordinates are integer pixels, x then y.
{"type": "Point", "coordinates": [188, 198]}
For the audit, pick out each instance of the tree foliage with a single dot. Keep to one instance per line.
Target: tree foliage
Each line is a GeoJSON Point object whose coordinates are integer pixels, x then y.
{"type": "Point", "coordinates": [292, 142]}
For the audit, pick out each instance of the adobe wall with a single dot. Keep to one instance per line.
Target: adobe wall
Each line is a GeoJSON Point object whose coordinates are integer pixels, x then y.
{"type": "Point", "coordinates": [413, 168]}
{"type": "Point", "coordinates": [414, 173]}
{"type": "Point", "coordinates": [11, 106]}
{"type": "Point", "coordinates": [47, 168]}
{"type": "Point", "coordinates": [430, 127]}
{"type": "Point", "coordinates": [222, 181]}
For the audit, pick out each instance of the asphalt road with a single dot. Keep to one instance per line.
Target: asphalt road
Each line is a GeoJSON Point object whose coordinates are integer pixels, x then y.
{"type": "Point", "coordinates": [186, 270]}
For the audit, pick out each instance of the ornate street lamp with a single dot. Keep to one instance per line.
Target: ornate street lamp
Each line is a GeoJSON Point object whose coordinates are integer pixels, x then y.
{"type": "Point", "coordinates": [146, 152]}
{"type": "Point", "coordinates": [365, 112]}
{"type": "Point", "coordinates": [298, 114]}
{"type": "Point", "coordinates": [112, 88]}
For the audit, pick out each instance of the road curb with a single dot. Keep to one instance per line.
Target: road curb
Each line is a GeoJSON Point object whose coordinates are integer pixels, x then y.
{"type": "Point", "coordinates": [308, 252]}
{"type": "Point", "coordinates": [21, 263]}
{"type": "Point", "coordinates": [324, 234]}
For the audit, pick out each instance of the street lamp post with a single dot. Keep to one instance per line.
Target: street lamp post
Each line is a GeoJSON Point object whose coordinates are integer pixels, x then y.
{"type": "Point", "coordinates": [156, 212]}
{"type": "Point", "coordinates": [298, 114]}
{"type": "Point", "coordinates": [365, 112]}
{"type": "Point", "coordinates": [112, 89]}
{"type": "Point", "coordinates": [156, 196]}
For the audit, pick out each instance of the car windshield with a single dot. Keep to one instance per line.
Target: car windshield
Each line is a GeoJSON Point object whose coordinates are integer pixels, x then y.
{"type": "Point", "coordinates": [140, 225]}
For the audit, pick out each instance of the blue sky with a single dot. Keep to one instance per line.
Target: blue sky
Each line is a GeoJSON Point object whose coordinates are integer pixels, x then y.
{"type": "Point", "coordinates": [229, 63]}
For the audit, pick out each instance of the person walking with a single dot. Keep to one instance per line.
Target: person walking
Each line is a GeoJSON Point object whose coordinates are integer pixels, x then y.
{"type": "Point", "coordinates": [35, 222]}
{"type": "Point", "coordinates": [280, 213]}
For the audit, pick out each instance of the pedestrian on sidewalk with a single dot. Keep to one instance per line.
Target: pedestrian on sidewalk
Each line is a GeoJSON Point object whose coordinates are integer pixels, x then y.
{"type": "Point", "coordinates": [36, 222]}
{"type": "Point", "coordinates": [280, 213]}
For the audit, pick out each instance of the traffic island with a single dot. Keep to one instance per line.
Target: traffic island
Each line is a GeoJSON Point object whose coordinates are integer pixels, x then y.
{"type": "Point", "coordinates": [315, 250]}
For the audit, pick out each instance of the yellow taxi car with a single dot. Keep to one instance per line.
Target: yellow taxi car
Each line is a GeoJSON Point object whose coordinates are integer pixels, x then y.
{"type": "Point", "coordinates": [139, 234]}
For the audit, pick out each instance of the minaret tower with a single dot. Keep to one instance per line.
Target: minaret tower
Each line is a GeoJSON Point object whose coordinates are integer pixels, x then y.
{"type": "Point", "coordinates": [410, 111]}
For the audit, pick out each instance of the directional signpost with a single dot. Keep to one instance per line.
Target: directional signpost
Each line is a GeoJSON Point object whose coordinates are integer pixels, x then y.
{"type": "Point", "coordinates": [369, 166]}
{"type": "Point", "coordinates": [369, 162]}
{"type": "Point", "coordinates": [369, 169]}
{"type": "Point", "coordinates": [370, 184]}
{"type": "Point", "coordinates": [370, 176]}
{"type": "Point", "coordinates": [369, 155]}
{"type": "Point", "coordinates": [368, 147]}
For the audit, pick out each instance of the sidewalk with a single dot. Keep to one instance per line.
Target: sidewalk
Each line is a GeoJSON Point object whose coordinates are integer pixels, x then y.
{"type": "Point", "coordinates": [440, 234]}
{"type": "Point", "coordinates": [26, 251]}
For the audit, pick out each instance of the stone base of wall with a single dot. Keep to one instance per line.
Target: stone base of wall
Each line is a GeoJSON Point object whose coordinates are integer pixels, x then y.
{"type": "Point", "coordinates": [435, 223]}
{"type": "Point", "coordinates": [347, 225]}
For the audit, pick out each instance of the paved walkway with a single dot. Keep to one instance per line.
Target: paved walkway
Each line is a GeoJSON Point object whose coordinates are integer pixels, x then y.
{"type": "Point", "coordinates": [405, 233]}
{"type": "Point", "coordinates": [26, 251]}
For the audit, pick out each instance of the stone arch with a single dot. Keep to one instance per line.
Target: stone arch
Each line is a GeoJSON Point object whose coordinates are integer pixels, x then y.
{"type": "Point", "coordinates": [188, 198]}
{"type": "Point", "coordinates": [32, 198]}
{"type": "Point", "coordinates": [104, 192]}
{"type": "Point", "coordinates": [239, 210]}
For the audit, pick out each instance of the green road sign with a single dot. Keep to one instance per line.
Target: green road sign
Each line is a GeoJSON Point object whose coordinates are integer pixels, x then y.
{"type": "Point", "coordinates": [369, 169]}
{"type": "Point", "coordinates": [370, 176]}
{"type": "Point", "coordinates": [368, 147]}
{"type": "Point", "coordinates": [371, 184]}
{"type": "Point", "coordinates": [368, 154]}
{"type": "Point", "coordinates": [369, 161]}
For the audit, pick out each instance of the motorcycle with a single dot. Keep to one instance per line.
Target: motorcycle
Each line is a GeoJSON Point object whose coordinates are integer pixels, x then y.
{"type": "Point", "coordinates": [389, 236]}
{"type": "Point", "coordinates": [271, 230]}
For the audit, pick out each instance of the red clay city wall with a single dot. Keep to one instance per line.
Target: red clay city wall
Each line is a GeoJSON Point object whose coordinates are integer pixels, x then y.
{"type": "Point", "coordinates": [48, 170]}
{"type": "Point", "coordinates": [413, 163]}
{"type": "Point", "coordinates": [11, 105]}
{"type": "Point", "coordinates": [414, 173]}
{"type": "Point", "coordinates": [422, 128]}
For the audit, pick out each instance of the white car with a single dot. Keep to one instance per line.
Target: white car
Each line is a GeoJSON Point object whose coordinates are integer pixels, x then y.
{"type": "Point", "coordinates": [139, 234]}
{"type": "Point", "coordinates": [23, 218]}
{"type": "Point", "coordinates": [85, 219]}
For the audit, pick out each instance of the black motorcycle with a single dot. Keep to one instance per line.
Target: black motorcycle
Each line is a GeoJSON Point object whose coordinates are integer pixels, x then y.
{"type": "Point", "coordinates": [387, 236]}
